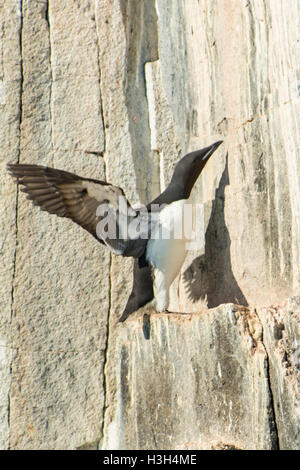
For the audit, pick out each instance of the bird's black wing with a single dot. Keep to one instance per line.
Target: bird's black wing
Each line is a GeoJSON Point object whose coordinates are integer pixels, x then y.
{"type": "Point", "coordinates": [87, 202]}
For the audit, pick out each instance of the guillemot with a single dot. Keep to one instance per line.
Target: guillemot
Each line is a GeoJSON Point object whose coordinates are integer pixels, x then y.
{"type": "Point", "coordinates": [103, 210]}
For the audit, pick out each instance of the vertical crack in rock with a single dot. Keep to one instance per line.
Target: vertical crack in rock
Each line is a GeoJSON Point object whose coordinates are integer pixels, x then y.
{"type": "Point", "coordinates": [105, 359]}
{"type": "Point", "coordinates": [47, 18]}
{"type": "Point", "coordinates": [47, 14]}
{"type": "Point", "coordinates": [16, 204]}
{"type": "Point", "coordinates": [255, 328]}
{"type": "Point", "coordinates": [272, 414]}
{"type": "Point", "coordinates": [272, 420]}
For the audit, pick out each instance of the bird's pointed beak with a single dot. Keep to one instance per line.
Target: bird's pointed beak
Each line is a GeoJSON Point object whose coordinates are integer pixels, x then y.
{"type": "Point", "coordinates": [212, 149]}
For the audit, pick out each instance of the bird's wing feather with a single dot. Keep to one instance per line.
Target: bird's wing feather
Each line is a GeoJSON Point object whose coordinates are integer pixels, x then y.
{"type": "Point", "coordinates": [68, 195]}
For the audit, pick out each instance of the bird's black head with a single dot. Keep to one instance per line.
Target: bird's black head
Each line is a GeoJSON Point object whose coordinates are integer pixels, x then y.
{"type": "Point", "coordinates": [190, 166]}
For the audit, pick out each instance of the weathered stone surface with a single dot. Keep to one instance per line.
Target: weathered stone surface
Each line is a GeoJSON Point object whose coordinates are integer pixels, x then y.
{"type": "Point", "coordinates": [55, 399]}
{"type": "Point", "coordinates": [75, 98]}
{"type": "Point", "coordinates": [51, 302]}
{"type": "Point", "coordinates": [245, 85]}
{"type": "Point", "coordinates": [281, 326]}
{"type": "Point", "coordinates": [224, 378]}
{"type": "Point", "coordinates": [120, 91]}
{"type": "Point", "coordinates": [10, 86]}
{"type": "Point", "coordinates": [191, 382]}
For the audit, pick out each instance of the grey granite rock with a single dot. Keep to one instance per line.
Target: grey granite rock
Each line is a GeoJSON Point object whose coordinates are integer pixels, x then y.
{"type": "Point", "coordinates": [197, 381]}
{"type": "Point", "coordinates": [120, 91]}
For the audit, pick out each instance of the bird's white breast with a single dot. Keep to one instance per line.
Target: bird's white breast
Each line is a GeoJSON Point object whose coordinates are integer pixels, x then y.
{"type": "Point", "coordinates": [167, 247]}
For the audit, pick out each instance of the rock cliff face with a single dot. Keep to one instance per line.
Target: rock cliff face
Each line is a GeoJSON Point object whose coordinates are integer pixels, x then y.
{"type": "Point", "coordinates": [121, 89]}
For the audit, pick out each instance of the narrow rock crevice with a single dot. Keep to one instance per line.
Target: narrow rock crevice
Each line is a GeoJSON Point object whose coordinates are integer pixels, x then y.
{"type": "Point", "coordinates": [272, 421]}
{"type": "Point", "coordinates": [16, 207]}
{"type": "Point", "coordinates": [272, 412]}
{"type": "Point", "coordinates": [102, 154]}
{"type": "Point", "coordinates": [8, 406]}
{"type": "Point", "coordinates": [106, 346]}
{"type": "Point", "coordinates": [92, 152]}
{"type": "Point", "coordinates": [47, 18]}
{"type": "Point", "coordinates": [255, 329]}
{"type": "Point", "coordinates": [100, 92]}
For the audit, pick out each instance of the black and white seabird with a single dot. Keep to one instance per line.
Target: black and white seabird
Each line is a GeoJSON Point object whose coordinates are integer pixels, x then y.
{"type": "Point", "coordinates": [157, 260]}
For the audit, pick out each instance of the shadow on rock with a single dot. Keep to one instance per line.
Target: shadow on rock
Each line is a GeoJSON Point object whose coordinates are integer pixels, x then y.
{"type": "Point", "coordinates": [211, 274]}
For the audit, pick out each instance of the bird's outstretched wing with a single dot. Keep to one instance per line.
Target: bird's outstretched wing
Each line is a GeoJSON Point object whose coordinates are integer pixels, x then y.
{"type": "Point", "coordinates": [87, 202]}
